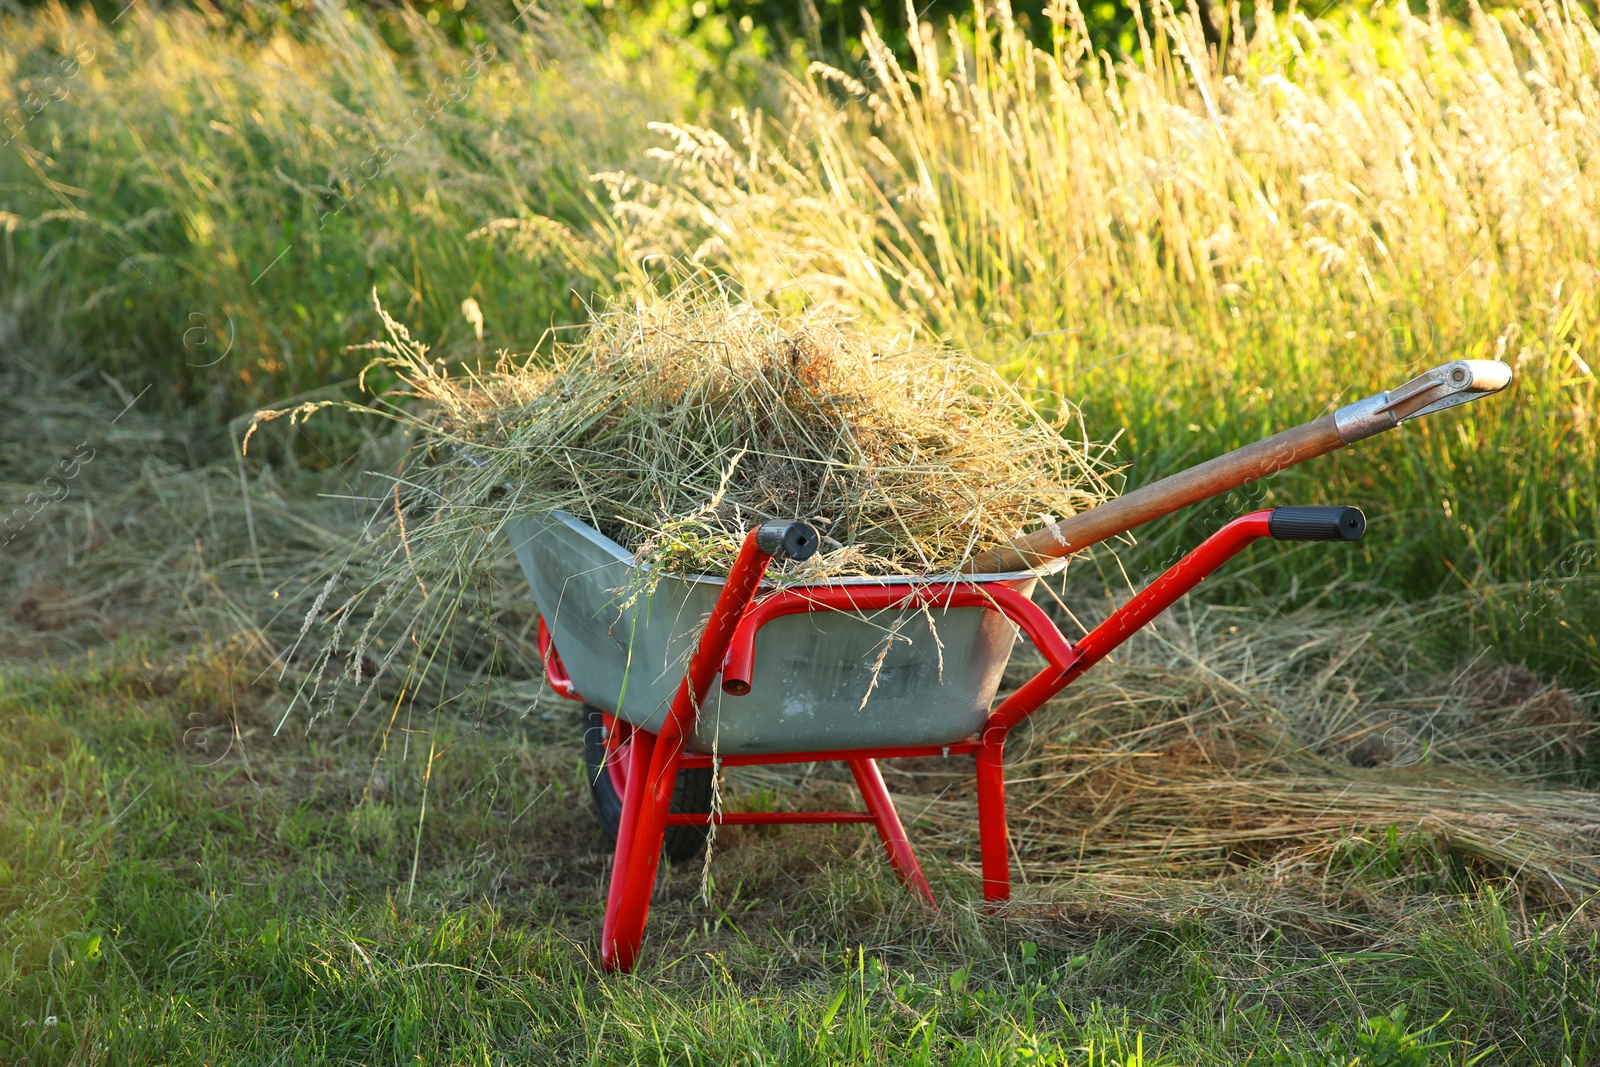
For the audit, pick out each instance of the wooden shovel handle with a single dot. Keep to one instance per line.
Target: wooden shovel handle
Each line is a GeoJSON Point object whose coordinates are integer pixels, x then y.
{"type": "Point", "coordinates": [1445, 386]}
{"type": "Point", "coordinates": [1191, 486]}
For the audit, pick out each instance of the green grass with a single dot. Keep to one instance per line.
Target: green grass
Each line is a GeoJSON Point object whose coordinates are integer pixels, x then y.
{"type": "Point", "coordinates": [168, 902]}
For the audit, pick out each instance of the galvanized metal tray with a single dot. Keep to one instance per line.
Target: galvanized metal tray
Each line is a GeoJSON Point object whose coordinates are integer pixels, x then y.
{"type": "Point", "coordinates": [824, 681]}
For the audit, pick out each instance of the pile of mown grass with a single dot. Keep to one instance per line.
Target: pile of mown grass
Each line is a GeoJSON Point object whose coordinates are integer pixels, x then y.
{"type": "Point", "coordinates": [675, 424]}
{"type": "Point", "coordinates": [1309, 772]}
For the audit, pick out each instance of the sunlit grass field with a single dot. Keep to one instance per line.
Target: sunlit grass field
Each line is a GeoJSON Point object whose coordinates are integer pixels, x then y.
{"type": "Point", "coordinates": [1198, 250]}
{"type": "Point", "coordinates": [1339, 815]}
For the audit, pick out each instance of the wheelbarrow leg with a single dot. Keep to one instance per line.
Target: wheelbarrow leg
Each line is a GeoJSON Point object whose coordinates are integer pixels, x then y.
{"type": "Point", "coordinates": [904, 861]}
{"type": "Point", "coordinates": [993, 837]}
{"type": "Point", "coordinates": [629, 903]}
{"type": "Point", "coordinates": [641, 748]}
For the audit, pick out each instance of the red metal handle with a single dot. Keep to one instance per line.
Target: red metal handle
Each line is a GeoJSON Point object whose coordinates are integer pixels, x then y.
{"type": "Point", "coordinates": [736, 620]}
{"type": "Point", "coordinates": [1066, 661]}
{"type": "Point", "coordinates": [1166, 590]}
{"type": "Point", "coordinates": [1151, 601]}
{"type": "Point", "coordinates": [554, 670]}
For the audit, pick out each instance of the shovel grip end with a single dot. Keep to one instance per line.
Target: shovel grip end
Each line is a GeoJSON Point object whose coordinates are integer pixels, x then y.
{"type": "Point", "coordinates": [1445, 386]}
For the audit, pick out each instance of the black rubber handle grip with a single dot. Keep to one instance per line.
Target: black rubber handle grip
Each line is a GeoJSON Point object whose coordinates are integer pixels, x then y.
{"type": "Point", "coordinates": [787, 540]}
{"type": "Point", "coordinates": [1317, 524]}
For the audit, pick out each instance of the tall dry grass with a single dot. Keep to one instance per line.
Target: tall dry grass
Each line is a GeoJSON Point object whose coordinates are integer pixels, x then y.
{"type": "Point", "coordinates": [1201, 250]}
{"type": "Point", "coordinates": [194, 204]}
{"type": "Point", "coordinates": [1194, 254]}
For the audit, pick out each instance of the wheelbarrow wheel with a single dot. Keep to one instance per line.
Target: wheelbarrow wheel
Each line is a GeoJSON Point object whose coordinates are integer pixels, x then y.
{"type": "Point", "coordinates": [608, 778]}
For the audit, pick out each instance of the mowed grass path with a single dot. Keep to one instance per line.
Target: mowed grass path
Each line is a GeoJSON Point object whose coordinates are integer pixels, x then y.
{"type": "Point", "coordinates": [178, 886]}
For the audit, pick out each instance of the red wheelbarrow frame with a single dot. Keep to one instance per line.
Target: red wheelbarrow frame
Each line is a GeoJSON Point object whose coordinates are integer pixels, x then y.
{"type": "Point", "coordinates": [650, 768]}
{"type": "Point", "coordinates": [648, 765]}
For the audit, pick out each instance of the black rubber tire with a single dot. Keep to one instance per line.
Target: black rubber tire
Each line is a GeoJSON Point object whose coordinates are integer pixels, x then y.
{"type": "Point", "coordinates": [690, 795]}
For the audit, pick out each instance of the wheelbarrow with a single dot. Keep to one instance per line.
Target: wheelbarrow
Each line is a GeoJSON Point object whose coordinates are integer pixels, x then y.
{"type": "Point", "coordinates": [863, 669]}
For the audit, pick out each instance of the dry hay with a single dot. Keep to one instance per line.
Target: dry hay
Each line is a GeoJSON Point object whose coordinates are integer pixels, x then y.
{"type": "Point", "coordinates": [134, 541]}
{"type": "Point", "coordinates": [675, 424]}
{"type": "Point", "coordinates": [1240, 759]}
{"type": "Point", "coordinates": [1300, 770]}
{"type": "Point", "coordinates": [144, 561]}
